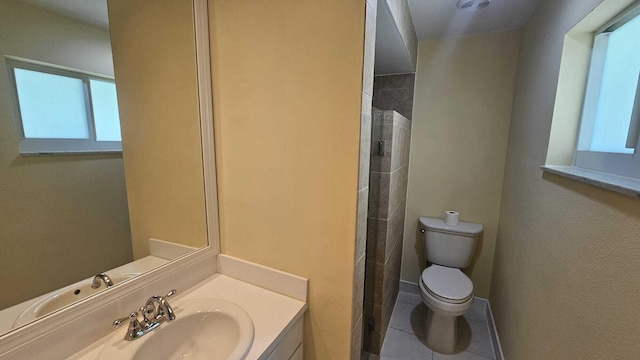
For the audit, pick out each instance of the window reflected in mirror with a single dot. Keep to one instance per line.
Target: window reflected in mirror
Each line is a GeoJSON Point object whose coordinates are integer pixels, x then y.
{"type": "Point", "coordinates": [100, 148]}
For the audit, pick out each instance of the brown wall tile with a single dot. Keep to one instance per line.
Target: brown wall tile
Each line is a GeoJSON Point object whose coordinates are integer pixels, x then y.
{"type": "Point", "coordinates": [390, 271]}
{"type": "Point", "coordinates": [394, 92]}
{"type": "Point", "coordinates": [395, 230]}
{"type": "Point", "coordinates": [365, 150]}
{"type": "Point", "coordinates": [381, 163]}
{"type": "Point", "coordinates": [369, 50]}
{"type": "Point", "coordinates": [397, 192]}
{"type": "Point", "coordinates": [373, 282]}
{"type": "Point", "coordinates": [361, 223]}
{"type": "Point", "coordinates": [356, 340]}
{"type": "Point", "coordinates": [394, 82]}
{"type": "Point", "coordinates": [376, 240]}
{"type": "Point", "coordinates": [400, 145]}
{"type": "Point", "coordinates": [358, 290]}
{"type": "Point", "coordinates": [379, 195]}
{"type": "Point", "coordinates": [371, 335]}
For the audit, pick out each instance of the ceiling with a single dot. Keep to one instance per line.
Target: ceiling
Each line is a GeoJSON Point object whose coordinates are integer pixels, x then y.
{"type": "Point", "coordinates": [92, 12]}
{"type": "Point", "coordinates": [441, 18]}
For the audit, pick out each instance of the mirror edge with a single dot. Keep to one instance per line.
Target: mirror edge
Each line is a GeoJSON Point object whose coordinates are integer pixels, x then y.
{"type": "Point", "coordinates": [205, 102]}
{"type": "Point", "coordinates": [38, 328]}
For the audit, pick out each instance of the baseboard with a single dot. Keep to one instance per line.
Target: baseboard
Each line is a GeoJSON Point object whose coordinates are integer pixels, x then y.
{"type": "Point", "coordinates": [497, 347]}
{"type": "Point", "coordinates": [410, 287]}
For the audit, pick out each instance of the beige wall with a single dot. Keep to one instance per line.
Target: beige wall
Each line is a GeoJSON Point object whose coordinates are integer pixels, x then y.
{"type": "Point", "coordinates": [462, 108]}
{"type": "Point", "coordinates": [287, 79]}
{"type": "Point", "coordinates": [565, 282]}
{"type": "Point", "coordinates": [154, 60]}
{"type": "Point", "coordinates": [57, 213]}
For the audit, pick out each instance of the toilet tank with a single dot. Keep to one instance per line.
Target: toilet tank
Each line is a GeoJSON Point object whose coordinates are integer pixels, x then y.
{"type": "Point", "coordinates": [447, 245]}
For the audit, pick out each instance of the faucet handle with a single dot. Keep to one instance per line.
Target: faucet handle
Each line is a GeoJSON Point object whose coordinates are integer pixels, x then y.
{"type": "Point", "coordinates": [135, 329]}
{"type": "Point", "coordinates": [164, 307]}
{"type": "Point", "coordinates": [133, 317]}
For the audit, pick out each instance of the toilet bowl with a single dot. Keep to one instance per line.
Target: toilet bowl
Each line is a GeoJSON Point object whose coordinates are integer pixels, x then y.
{"type": "Point", "coordinates": [445, 289]}
{"type": "Point", "coordinates": [448, 293]}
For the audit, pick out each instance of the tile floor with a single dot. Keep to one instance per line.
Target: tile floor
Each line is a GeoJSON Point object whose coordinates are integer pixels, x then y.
{"type": "Point", "coordinates": [404, 339]}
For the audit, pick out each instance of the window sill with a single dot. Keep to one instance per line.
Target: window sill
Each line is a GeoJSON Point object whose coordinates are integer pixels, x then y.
{"type": "Point", "coordinates": [39, 147]}
{"type": "Point", "coordinates": [619, 184]}
{"type": "Point", "coordinates": [69, 153]}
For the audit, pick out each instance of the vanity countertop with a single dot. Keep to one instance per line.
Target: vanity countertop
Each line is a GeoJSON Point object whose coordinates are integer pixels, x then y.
{"type": "Point", "coordinates": [273, 314]}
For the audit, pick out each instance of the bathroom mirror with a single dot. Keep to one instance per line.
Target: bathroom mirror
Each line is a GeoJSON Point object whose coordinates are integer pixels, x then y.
{"type": "Point", "coordinates": [103, 131]}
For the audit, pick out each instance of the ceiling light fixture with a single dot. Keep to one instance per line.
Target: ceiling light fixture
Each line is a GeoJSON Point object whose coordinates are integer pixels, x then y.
{"type": "Point", "coordinates": [473, 4]}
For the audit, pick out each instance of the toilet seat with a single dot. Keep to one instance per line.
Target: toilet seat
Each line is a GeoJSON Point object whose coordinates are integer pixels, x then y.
{"type": "Point", "coordinates": [447, 284]}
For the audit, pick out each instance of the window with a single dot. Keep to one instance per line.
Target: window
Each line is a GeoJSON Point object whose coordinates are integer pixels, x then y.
{"type": "Point", "coordinates": [610, 126]}
{"type": "Point", "coordinates": [63, 111]}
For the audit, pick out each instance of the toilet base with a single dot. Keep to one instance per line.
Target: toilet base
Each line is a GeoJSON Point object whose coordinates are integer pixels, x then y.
{"type": "Point", "coordinates": [441, 332]}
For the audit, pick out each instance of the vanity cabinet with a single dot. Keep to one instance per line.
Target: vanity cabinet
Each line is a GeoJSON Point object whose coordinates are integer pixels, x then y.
{"type": "Point", "coordinates": [298, 354]}
{"type": "Point", "coordinates": [290, 347]}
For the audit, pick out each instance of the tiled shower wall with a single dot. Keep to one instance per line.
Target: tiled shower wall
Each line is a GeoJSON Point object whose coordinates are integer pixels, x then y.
{"type": "Point", "coordinates": [363, 178]}
{"type": "Point", "coordinates": [394, 92]}
{"type": "Point", "coordinates": [390, 138]}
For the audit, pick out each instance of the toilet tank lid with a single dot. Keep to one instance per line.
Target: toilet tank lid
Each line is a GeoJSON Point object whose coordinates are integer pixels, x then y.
{"type": "Point", "coordinates": [463, 228]}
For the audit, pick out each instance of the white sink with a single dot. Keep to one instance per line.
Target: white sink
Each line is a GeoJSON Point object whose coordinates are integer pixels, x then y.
{"type": "Point", "coordinates": [63, 297]}
{"type": "Point", "coordinates": [203, 329]}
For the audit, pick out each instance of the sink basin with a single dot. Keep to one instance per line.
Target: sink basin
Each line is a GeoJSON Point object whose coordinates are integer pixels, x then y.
{"type": "Point", "coordinates": [63, 297]}
{"type": "Point", "coordinates": [203, 329]}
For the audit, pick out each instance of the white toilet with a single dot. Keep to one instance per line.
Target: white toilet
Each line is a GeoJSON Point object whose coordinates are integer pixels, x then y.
{"type": "Point", "coordinates": [446, 290]}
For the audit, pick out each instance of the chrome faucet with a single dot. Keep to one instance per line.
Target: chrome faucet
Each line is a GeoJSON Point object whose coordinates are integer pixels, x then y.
{"type": "Point", "coordinates": [157, 307]}
{"type": "Point", "coordinates": [155, 311]}
{"type": "Point", "coordinates": [101, 278]}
